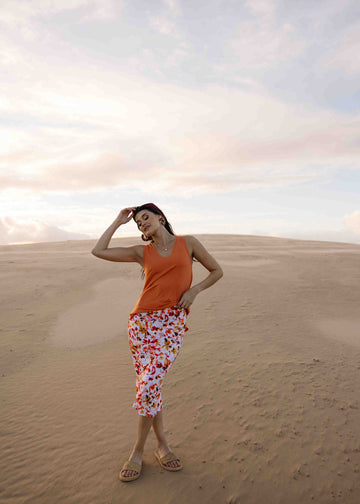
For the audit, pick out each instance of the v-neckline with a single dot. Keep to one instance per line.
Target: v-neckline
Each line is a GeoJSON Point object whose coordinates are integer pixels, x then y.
{"type": "Point", "coordinates": [164, 257]}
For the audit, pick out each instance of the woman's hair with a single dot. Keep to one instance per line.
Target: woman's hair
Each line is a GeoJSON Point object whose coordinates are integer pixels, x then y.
{"type": "Point", "coordinates": [156, 210]}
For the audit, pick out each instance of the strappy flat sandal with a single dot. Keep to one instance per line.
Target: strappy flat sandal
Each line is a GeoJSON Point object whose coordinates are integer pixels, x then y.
{"type": "Point", "coordinates": [130, 466]}
{"type": "Point", "coordinates": [169, 457]}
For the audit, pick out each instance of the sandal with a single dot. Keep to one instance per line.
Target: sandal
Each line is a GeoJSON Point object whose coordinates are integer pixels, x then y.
{"type": "Point", "coordinates": [130, 466]}
{"type": "Point", "coordinates": [169, 457]}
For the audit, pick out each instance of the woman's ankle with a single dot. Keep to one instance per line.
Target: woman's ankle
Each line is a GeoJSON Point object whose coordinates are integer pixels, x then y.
{"type": "Point", "coordinates": [163, 444]}
{"type": "Point", "coordinates": [138, 450]}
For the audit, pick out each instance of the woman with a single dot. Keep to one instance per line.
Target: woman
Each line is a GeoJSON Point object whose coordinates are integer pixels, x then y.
{"type": "Point", "coordinates": [157, 323]}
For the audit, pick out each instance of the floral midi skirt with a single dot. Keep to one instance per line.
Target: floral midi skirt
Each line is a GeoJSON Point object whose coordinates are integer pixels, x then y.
{"type": "Point", "coordinates": [155, 339]}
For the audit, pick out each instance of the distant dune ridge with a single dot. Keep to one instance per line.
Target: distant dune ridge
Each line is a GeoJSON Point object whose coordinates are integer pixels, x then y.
{"type": "Point", "coordinates": [262, 403]}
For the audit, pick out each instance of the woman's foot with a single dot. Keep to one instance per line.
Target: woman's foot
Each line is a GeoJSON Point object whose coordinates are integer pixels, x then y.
{"type": "Point", "coordinates": [163, 450]}
{"type": "Point", "coordinates": [135, 456]}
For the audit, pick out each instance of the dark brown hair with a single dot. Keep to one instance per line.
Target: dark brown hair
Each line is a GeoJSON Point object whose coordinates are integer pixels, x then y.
{"type": "Point", "coordinates": [156, 210]}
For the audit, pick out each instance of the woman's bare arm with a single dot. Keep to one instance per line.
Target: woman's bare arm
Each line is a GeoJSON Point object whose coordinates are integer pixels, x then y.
{"type": "Point", "coordinates": [197, 250]}
{"type": "Point", "coordinates": [120, 254]}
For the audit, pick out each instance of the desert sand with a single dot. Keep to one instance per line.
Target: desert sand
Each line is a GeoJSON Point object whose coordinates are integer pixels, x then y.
{"type": "Point", "coordinates": [261, 405]}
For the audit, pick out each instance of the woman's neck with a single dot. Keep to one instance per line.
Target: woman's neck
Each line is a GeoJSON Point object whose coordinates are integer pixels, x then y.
{"type": "Point", "coordinates": [162, 238]}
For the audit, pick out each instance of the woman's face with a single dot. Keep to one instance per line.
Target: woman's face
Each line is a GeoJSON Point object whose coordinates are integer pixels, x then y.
{"type": "Point", "coordinates": [147, 222]}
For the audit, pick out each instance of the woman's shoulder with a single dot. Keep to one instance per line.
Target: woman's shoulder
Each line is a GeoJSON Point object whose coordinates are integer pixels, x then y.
{"type": "Point", "coordinates": [190, 239]}
{"type": "Point", "coordinates": [191, 242]}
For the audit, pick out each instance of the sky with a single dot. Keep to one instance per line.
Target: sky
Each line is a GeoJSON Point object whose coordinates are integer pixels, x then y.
{"type": "Point", "coordinates": [235, 117]}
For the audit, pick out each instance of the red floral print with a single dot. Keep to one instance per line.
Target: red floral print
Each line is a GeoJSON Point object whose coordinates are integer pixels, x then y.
{"type": "Point", "coordinates": [155, 339]}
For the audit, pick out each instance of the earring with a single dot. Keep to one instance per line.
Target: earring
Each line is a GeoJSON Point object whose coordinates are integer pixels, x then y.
{"type": "Point", "coordinates": [143, 238]}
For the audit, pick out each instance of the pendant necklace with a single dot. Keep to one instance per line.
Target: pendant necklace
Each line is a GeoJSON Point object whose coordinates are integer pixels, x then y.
{"type": "Point", "coordinates": [161, 248]}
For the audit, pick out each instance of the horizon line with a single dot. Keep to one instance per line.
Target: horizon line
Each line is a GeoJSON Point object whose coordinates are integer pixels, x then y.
{"type": "Point", "coordinates": [194, 234]}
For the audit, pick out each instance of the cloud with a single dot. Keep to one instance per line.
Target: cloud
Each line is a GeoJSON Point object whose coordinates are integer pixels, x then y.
{"type": "Point", "coordinates": [105, 171]}
{"type": "Point", "coordinates": [298, 51]}
{"type": "Point", "coordinates": [263, 7]}
{"type": "Point", "coordinates": [103, 130]}
{"type": "Point", "coordinates": [30, 230]}
{"type": "Point", "coordinates": [163, 25]}
{"type": "Point", "coordinates": [173, 6]}
{"type": "Point", "coordinates": [15, 13]}
{"type": "Point", "coordinates": [262, 41]}
{"type": "Point", "coordinates": [166, 22]}
{"type": "Point", "coordinates": [344, 56]}
{"type": "Point", "coordinates": [352, 221]}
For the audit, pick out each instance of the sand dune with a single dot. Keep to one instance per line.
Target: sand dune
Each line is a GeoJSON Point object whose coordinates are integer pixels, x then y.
{"type": "Point", "coordinates": [262, 403]}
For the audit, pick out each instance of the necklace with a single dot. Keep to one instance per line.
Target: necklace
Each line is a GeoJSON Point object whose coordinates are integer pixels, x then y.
{"type": "Point", "coordinates": [165, 249]}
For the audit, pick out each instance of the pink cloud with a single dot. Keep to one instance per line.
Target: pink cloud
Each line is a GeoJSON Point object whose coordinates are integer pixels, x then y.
{"type": "Point", "coordinates": [352, 221]}
{"type": "Point", "coordinates": [30, 230]}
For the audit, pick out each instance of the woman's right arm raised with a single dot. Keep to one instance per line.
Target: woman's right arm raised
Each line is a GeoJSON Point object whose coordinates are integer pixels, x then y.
{"type": "Point", "coordinates": [124, 254]}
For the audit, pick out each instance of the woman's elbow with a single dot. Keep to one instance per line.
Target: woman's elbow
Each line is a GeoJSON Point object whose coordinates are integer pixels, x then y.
{"type": "Point", "coordinates": [219, 273]}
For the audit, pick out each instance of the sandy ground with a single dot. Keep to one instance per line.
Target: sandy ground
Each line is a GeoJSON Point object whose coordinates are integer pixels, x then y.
{"type": "Point", "coordinates": [262, 403]}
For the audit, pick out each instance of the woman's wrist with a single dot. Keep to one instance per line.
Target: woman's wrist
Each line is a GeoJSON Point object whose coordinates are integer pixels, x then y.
{"type": "Point", "coordinates": [114, 226]}
{"type": "Point", "coordinates": [196, 289]}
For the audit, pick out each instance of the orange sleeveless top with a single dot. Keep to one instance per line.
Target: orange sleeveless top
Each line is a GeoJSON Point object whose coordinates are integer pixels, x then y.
{"type": "Point", "coordinates": [166, 278]}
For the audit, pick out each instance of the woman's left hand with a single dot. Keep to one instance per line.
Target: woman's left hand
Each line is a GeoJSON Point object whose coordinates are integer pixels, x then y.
{"type": "Point", "coordinates": [187, 298]}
